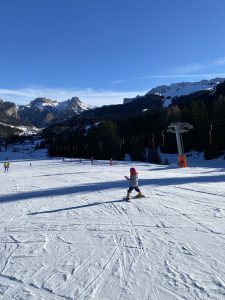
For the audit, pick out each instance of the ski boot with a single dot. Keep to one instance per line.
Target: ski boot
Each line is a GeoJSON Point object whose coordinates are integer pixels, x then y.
{"type": "Point", "coordinates": [128, 196]}
{"type": "Point", "coordinates": [139, 195]}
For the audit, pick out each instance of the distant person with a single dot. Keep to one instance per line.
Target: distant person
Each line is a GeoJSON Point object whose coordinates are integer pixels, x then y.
{"type": "Point", "coordinates": [133, 184]}
{"type": "Point", "coordinates": [92, 160]}
{"type": "Point", "coordinates": [111, 162]}
{"type": "Point", "coordinates": [6, 166]}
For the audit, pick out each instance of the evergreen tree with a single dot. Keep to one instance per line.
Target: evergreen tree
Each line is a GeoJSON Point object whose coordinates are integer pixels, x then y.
{"type": "Point", "coordinates": [219, 108]}
{"type": "Point", "coordinates": [198, 113]}
{"type": "Point", "coordinates": [137, 149]}
{"type": "Point", "coordinates": [103, 141]}
{"type": "Point", "coordinates": [166, 162]}
{"type": "Point", "coordinates": [174, 114]}
{"type": "Point", "coordinates": [153, 156]}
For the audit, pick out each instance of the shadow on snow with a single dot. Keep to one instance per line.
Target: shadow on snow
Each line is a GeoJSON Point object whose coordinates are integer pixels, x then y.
{"type": "Point", "coordinates": [100, 186]}
{"type": "Point", "coordinates": [60, 174]}
{"type": "Point", "coordinates": [75, 207]}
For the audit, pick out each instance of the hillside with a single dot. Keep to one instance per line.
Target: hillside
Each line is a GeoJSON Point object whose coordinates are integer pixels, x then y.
{"type": "Point", "coordinates": [67, 233]}
{"type": "Point", "coordinates": [149, 102]}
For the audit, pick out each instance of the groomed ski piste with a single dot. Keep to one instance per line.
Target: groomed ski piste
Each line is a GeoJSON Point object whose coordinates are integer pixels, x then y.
{"type": "Point", "coordinates": [67, 233]}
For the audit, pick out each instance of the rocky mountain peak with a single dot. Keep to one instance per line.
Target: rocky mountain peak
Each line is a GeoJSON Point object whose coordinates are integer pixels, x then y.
{"type": "Point", "coordinates": [42, 111]}
{"type": "Point", "coordinates": [75, 104]}
{"type": "Point", "coordinates": [8, 109]}
{"type": "Point", "coordinates": [74, 100]}
{"type": "Point", "coordinates": [40, 102]}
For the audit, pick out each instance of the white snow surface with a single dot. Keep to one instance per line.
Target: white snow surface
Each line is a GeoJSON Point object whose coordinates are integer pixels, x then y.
{"type": "Point", "coordinates": [67, 233]}
{"type": "Point", "coordinates": [185, 90]}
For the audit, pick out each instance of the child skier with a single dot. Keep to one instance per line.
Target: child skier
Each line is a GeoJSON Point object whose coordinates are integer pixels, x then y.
{"type": "Point", "coordinates": [133, 184]}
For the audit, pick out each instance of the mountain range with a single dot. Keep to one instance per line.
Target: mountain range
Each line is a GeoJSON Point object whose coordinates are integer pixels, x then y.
{"type": "Point", "coordinates": [42, 112]}
{"type": "Point", "coordinates": [39, 113]}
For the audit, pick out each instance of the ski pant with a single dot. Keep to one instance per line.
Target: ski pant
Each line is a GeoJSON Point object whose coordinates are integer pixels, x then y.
{"type": "Point", "coordinates": [131, 188]}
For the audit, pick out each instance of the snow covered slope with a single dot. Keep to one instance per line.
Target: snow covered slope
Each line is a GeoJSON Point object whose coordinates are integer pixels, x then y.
{"type": "Point", "coordinates": [26, 149]}
{"type": "Point", "coordinates": [185, 88]}
{"type": "Point", "coordinates": [179, 89]}
{"type": "Point", "coordinates": [67, 233]}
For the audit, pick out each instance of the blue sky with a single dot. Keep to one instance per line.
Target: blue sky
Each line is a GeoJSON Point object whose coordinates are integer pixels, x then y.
{"type": "Point", "coordinates": [105, 50]}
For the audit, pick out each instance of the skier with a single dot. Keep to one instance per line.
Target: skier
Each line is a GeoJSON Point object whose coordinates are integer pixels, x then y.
{"type": "Point", "coordinates": [111, 162]}
{"type": "Point", "coordinates": [133, 184]}
{"type": "Point", "coordinates": [6, 166]}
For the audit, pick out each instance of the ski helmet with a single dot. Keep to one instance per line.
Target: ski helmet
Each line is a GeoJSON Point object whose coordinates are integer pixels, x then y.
{"type": "Point", "coordinates": [133, 171]}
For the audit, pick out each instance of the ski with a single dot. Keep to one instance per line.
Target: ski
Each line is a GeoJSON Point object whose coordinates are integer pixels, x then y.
{"type": "Point", "coordinates": [134, 197]}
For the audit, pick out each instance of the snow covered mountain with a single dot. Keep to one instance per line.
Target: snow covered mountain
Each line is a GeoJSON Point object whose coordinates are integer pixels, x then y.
{"type": "Point", "coordinates": [43, 103]}
{"type": "Point", "coordinates": [42, 112]}
{"type": "Point", "coordinates": [180, 89]}
{"type": "Point", "coordinates": [74, 104]}
{"type": "Point", "coordinates": [185, 88]}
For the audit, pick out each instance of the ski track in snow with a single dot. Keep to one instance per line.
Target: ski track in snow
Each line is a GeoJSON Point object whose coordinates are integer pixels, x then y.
{"type": "Point", "coordinates": [67, 233]}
